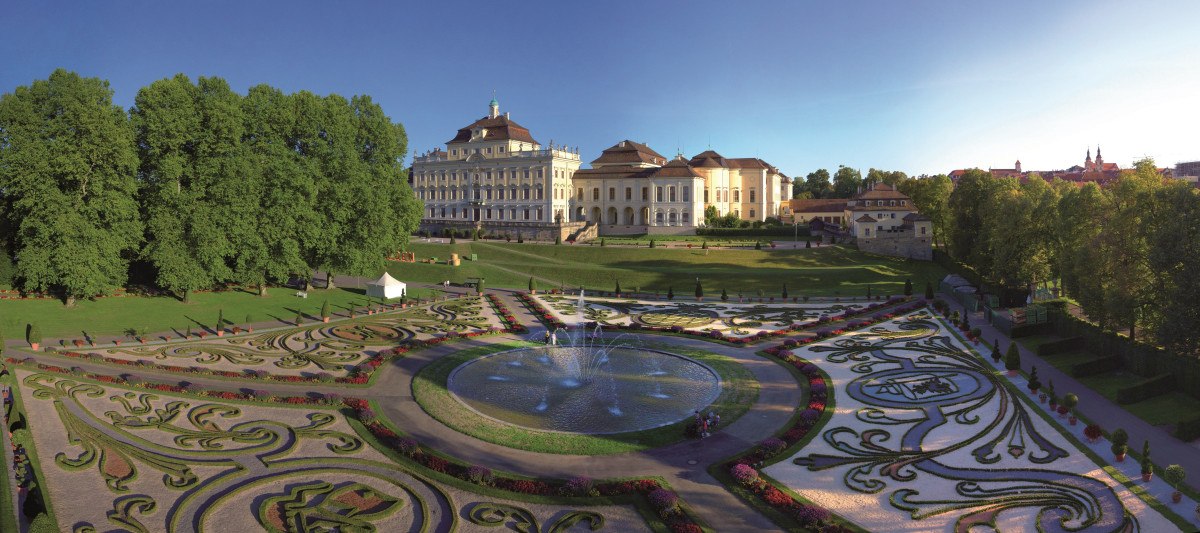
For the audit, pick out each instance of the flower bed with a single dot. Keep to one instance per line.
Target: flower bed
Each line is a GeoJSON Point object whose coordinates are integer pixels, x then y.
{"type": "Point", "coordinates": [320, 353]}
{"type": "Point", "coordinates": [676, 518]}
{"type": "Point", "coordinates": [927, 434]}
{"type": "Point", "coordinates": [760, 322]}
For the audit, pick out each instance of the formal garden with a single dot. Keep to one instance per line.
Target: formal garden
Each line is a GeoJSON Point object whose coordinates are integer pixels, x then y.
{"type": "Point", "coordinates": [847, 416]}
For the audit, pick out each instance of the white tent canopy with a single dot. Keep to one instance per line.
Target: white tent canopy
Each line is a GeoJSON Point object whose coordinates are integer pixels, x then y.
{"type": "Point", "coordinates": [386, 287]}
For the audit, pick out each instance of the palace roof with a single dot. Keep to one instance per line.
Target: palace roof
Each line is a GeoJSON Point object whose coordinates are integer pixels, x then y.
{"type": "Point", "coordinates": [500, 128]}
{"type": "Point", "coordinates": [806, 205]}
{"type": "Point", "coordinates": [627, 152]}
{"type": "Point", "coordinates": [677, 168]}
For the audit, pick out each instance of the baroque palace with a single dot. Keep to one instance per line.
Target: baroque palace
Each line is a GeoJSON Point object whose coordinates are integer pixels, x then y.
{"type": "Point", "coordinates": [494, 176]}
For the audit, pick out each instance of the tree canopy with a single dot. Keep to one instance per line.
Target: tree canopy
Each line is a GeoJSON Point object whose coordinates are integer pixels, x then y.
{"type": "Point", "coordinates": [67, 165]}
{"type": "Point", "coordinates": [220, 187]}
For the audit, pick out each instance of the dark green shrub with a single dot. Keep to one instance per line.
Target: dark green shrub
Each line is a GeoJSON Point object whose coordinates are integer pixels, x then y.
{"type": "Point", "coordinates": [1146, 388]}
{"type": "Point", "coordinates": [1060, 346]}
{"type": "Point", "coordinates": [1012, 359]}
{"type": "Point", "coordinates": [1096, 366]}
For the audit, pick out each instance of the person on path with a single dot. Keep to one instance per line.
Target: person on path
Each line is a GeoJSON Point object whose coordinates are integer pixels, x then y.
{"type": "Point", "coordinates": [546, 338]}
{"type": "Point", "coordinates": [554, 338]}
{"type": "Point", "coordinates": [703, 427]}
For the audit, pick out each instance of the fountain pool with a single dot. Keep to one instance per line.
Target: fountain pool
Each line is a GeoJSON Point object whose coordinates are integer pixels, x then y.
{"type": "Point", "coordinates": [582, 389]}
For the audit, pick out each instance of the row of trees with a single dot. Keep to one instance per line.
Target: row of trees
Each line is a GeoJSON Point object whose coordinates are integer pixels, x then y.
{"type": "Point", "coordinates": [1127, 252]}
{"type": "Point", "coordinates": [845, 182]}
{"type": "Point", "coordinates": [205, 185]}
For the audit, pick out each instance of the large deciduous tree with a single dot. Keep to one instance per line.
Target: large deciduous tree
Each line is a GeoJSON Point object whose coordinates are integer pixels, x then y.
{"type": "Point", "coordinates": [846, 182]}
{"type": "Point", "coordinates": [67, 165]}
{"type": "Point", "coordinates": [192, 167]}
{"type": "Point", "coordinates": [931, 197]}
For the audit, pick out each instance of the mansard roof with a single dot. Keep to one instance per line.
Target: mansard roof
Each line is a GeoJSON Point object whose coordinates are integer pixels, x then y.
{"type": "Point", "coordinates": [500, 128]}
{"type": "Point", "coordinates": [677, 168]}
{"type": "Point", "coordinates": [629, 152]}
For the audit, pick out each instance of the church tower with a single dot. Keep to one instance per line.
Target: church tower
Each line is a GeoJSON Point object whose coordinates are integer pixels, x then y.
{"type": "Point", "coordinates": [493, 108]}
{"type": "Point", "coordinates": [1099, 160]}
{"type": "Point", "coordinates": [1087, 164]}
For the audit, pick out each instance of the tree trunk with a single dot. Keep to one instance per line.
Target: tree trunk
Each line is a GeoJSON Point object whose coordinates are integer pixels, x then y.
{"type": "Point", "coordinates": [69, 301]}
{"type": "Point", "coordinates": [329, 280]}
{"type": "Point", "coordinates": [308, 285]}
{"type": "Point", "coordinates": [262, 289]}
{"type": "Point", "coordinates": [1133, 330]}
{"type": "Point", "coordinates": [187, 296]}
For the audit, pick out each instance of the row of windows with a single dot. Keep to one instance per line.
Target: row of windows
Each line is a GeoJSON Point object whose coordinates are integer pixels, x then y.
{"type": "Point", "coordinates": [426, 177]}
{"type": "Point", "coordinates": [684, 194]}
{"type": "Point", "coordinates": [486, 194]}
{"type": "Point", "coordinates": [881, 203]}
{"type": "Point", "coordinates": [488, 150]}
{"type": "Point", "coordinates": [488, 213]}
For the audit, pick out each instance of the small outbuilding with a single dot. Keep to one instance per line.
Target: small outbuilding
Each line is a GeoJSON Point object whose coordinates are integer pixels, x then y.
{"type": "Point", "coordinates": [386, 287]}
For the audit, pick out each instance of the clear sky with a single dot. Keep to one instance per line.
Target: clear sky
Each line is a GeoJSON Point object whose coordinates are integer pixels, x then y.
{"type": "Point", "coordinates": [918, 86]}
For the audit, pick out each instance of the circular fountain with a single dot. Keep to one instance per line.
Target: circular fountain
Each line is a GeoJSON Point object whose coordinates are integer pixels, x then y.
{"type": "Point", "coordinates": [589, 387]}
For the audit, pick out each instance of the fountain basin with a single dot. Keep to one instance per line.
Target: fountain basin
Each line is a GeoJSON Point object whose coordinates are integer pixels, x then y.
{"type": "Point", "coordinates": [584, 389]}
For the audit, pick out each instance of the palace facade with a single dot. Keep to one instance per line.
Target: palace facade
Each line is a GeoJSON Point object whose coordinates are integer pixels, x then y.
{"type": "Point", "coordinates": [632, 189]}
{"type": "Point", "coordinates": [494, 176]}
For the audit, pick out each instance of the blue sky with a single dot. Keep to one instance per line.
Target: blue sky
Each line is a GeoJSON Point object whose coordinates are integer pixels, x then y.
{"type": "Point", "coordinates": [922, 86]}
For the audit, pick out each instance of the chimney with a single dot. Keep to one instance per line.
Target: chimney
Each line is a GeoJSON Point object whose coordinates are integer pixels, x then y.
{"type": "Point", "coordinates": [506, 114]}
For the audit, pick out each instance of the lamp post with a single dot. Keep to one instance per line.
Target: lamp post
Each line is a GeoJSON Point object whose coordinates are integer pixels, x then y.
{"type": "Point", "coordinates": [795, 232]}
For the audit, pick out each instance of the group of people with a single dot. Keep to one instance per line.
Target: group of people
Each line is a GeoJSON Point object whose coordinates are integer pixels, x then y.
{"type": "Point", "coordinates": [551, 337]}
{"type": "Point", "coordinates": [707, 423]}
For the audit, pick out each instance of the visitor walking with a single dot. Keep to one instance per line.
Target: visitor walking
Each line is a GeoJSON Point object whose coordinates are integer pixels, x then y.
{"type": "Point", "coordinates": [546, 338]}
{"type": "Point", "coordinates": [554, 338]}
{"type": "Point", "coordinates": [703, 427]}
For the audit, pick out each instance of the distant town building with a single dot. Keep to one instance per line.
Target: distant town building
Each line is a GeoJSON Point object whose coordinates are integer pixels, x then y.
{"type": "Point", "coordinates": [880, 220]}
{"type": "Point", "coordinates": [494, 176]}
{"type": "Point", "coordinates": [1091, 171]}
{"type": "Point", "coordinates": [1188, 171]}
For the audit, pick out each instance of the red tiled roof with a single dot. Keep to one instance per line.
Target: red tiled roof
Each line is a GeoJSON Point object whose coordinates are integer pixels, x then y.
{"type": "Point", "coordinates": [629, 152]}
{"type": "Point", "coordinates": [498, 129]}
{"type": "Point", "coordinates": [813, 205]}
{"type": "Point", "coordinates": [677, 168]}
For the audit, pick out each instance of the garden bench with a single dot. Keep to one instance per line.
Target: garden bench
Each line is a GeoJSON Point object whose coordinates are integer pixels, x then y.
{"type": "Point", "coordinates": [472, 282]}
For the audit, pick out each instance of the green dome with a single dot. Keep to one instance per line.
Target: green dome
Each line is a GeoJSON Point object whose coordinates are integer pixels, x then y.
{"type": "Point", "coordinates": [494, 103]}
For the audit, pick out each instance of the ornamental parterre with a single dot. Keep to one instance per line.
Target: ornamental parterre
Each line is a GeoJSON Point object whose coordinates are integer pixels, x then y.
{"type": "Point", "coordinates": [926, 437]}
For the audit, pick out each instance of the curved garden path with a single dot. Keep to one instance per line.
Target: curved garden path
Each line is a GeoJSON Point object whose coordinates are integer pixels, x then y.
{"type": "Point", "coordinates": [682, 464]}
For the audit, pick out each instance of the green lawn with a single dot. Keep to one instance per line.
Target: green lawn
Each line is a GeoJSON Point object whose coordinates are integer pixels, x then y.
{"type": "Point", "coordinates": [825, 271]}
{"type": "Point", "coordinates": [1169, 408]}
{"type": "Point", "coordinates": [107, 317]}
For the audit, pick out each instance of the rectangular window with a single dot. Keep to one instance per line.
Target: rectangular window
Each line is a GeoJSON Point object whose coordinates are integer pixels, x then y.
{"type": "Point", "coordinates": [595, 193]}
{"type": "Point", "coordinates": [645, 194]}
{"type": "Point", "coordinates": [751, 198]}
{"type": "Point", "coordinates": [526, 174]}
{"type": "Point", "coordinates": [580, 193]}
{"type": "Point", "coordinates": [502, 149]}
{"type": "Point", "coordinates": [526, 214]}
{"type": "Point", "coordinates": [539, 214]}
{"type": "Point", "coordinates": [489, 150]}
{"type": "Point", "coordinates": [612, 193]}
{"type": "Point", "coordinates": [499, 194]}
{"type": "Point", "coordinates": [501, 213]}
{"type": "Point", "coordinates": [751, 213]}
{"type": "Point", "coordinates": [454, 152]}
{"type": "Point", "coordinates": [628, 193]}
{"type": "Point", "coordinates": [658, 194]}
{"type": "Point", "coordinates": [539, 174]}
{"type": "Point", "coordinates": [686, 193]}
{"type": "Point", "coordinates": [671, 191]}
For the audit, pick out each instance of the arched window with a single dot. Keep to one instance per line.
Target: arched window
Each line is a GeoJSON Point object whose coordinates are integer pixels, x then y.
{"type": "Point", "coordinates": [658, 218]}
{"type": "Point", "coordinates": [671, 218]}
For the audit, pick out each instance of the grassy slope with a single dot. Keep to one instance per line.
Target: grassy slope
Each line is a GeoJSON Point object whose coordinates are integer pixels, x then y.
{"type": "Point", "coordinates": [112, 316]}
{"type": "Point", "coordinates": [816, 272]}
